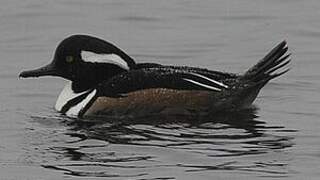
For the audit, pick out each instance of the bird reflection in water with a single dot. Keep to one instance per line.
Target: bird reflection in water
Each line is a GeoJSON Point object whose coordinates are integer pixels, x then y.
{"type": "Point", "coordinates": [125, 147]}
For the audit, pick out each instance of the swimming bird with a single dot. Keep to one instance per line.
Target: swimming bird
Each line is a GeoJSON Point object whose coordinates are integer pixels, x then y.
{"type": "Point", "coordinates": [105, 81]}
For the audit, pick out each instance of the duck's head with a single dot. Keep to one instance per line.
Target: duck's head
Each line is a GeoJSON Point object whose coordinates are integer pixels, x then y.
{"type": "Point", "coordinates": [84, 60]}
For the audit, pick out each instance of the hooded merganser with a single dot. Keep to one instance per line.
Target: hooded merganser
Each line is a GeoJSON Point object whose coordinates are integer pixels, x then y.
{"type": "Point", "coordinates": [106, 81]}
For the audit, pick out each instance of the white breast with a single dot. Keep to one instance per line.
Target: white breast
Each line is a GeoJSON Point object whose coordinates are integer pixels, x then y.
{"type": "Point", "coordinates": [67, 95]}
{"type": "Point", "coordinates": [75, 110]}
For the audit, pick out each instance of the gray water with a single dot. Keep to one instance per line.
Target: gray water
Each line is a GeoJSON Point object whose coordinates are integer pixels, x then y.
{"type": "Point", "coordinates": [280, 140]}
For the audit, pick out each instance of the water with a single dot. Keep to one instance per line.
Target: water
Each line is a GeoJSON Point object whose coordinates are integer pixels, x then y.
{"type": "Point", "coordinates": [280, 140]}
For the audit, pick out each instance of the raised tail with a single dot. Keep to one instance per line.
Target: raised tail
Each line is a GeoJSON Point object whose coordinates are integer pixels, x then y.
{"type": "Point", "coordinates": [266, 68]}
{"type": "Point", "coordinates": [271, 66]}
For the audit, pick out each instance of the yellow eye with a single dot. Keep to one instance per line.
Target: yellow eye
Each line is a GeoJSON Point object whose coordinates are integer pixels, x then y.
{"type": "Point", "coordinates": [69, 59]}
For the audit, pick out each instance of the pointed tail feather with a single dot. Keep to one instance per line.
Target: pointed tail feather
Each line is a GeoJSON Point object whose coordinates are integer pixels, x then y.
{"type": "Point", "coordinates": [265, 69]}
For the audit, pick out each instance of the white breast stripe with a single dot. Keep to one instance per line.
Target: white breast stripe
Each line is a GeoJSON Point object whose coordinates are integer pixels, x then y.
{"type": "Point", "coordinates": [104, 58]}
{"type": "Point", "coordinates": [214, 81]}
{"type": "Point", "coordinates": [65, 96]}
{"type": "Point", "coordinates": [285, 46]}
{"type": "Point", "coordinates": [203, 85]}
{"type": "Point", "coordinates": [74, 111]}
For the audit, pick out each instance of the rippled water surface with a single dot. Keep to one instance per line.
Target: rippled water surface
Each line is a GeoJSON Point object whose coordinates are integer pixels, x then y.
{"type": "Point", "coordinates": [280, 139]}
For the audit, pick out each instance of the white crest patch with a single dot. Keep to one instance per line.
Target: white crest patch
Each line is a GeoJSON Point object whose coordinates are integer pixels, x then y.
{"type": "Point", "coordinates": [65, 96]}
{"type": "Point", "coordinates": [104, 58]}
{"type": "Point", "coordinates": [203, 85]}
{"type": "Point", "coordinates": [75, 110]}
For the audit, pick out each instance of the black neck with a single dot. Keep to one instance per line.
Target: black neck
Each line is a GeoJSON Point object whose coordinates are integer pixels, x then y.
{"type": "Point", "coordinates": [90, 75]}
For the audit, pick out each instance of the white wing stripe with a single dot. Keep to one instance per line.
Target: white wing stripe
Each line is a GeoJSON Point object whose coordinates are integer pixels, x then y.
{"type": "Point", "coordinates": [211, 80]}
{"type": "Point", "coordinates": [104, 58]}
{"type": "Point", "coordinates": [203, 85]}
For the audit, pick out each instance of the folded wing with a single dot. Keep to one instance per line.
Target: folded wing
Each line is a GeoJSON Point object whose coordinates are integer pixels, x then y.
{"type": "Point", "coordinates": [178, 78]}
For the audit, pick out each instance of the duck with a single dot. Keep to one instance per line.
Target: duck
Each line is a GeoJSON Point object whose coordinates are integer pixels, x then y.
{"type": "Point", "coordinates": [104, 81]}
